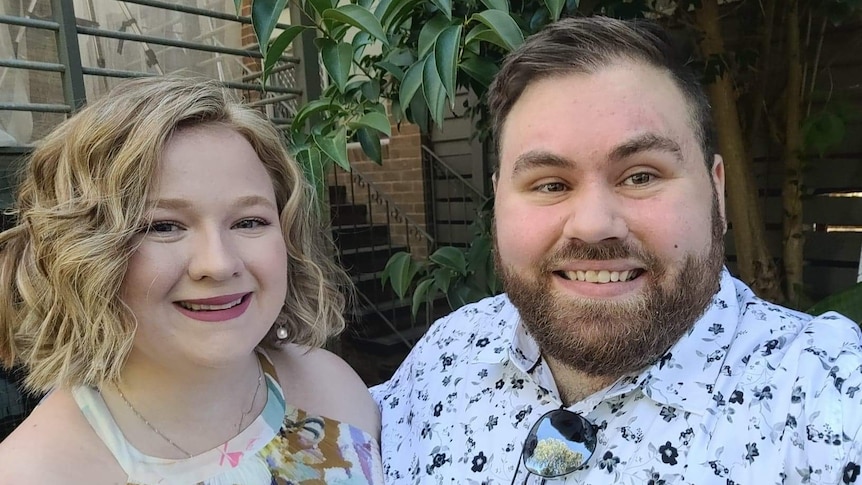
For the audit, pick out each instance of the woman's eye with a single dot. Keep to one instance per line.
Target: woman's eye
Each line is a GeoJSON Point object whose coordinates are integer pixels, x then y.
{"type": "Point", "coordinates": [162, 227]}
{"type": "Point", "coordinates": [551, 187]}
{"type": "Point", "coordinates": [251, 223]}
{"type": "Point", "coordinates": [642, 178]}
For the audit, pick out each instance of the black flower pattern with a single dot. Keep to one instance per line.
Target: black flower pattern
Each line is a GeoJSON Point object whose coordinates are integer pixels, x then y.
{"type": "Point", "coordinates": [479, 462]}
{"type": "Point", "coordinates": [668, 453]}
{"type": "Point", "coordinates": [471, 389]}
{"type": "Point", "coordinates": [851, 473]}
{"type": "Point", "coordinates": [608, 462]}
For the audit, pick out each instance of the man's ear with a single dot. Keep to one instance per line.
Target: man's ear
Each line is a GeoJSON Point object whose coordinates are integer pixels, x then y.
{"type": "Point", "coordinates": [717, 178]}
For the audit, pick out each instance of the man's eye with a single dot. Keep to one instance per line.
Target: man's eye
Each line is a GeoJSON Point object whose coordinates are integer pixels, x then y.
{"type": "Point", "coordinates": [551, 187]}
{"type": "Point", "coordinates": [642, 178]}
{"type": "Point", "coordinates": [251, 223]}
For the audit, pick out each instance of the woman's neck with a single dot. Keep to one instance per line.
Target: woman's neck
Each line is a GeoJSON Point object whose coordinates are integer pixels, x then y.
{"type": "Point", "coordinates": [165, 407]}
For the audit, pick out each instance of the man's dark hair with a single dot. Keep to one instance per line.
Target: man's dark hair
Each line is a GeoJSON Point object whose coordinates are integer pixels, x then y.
{"type": "Point", "coordinates": [586, 45]}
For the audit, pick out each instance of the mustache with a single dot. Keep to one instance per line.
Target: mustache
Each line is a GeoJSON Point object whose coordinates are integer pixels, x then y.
{"type": "Point", "coordinates": [602, 251]}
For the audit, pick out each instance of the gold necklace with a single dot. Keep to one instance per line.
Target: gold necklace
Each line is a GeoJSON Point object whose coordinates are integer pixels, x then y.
{"type": "Point", "coordinates": [253, 396]}
{"type": "Point", "coordinates": [155, 430]}
{"type": "Point", "coordinates": [170, 441]}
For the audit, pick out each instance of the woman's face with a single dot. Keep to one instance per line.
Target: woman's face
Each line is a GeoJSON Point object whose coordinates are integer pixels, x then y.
{"type": "Point", "coordinates": [210, 275]}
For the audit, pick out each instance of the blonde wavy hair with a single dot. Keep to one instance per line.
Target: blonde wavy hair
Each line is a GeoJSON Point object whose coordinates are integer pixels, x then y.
{"type": "Point", "coordinates": [80, 202]}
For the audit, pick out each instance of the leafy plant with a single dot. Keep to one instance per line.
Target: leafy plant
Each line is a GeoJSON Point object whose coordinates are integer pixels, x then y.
{"type": "Point", "coordinates": [461, 275]}
{"type": "Point", "coordinates": [410, 54]}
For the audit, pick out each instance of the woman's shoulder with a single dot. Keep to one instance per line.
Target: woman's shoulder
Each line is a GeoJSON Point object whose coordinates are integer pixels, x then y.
{"type": "Point", "coordinates": [320, 382]}
{"type": "Point", "coordinates": [56, 444]}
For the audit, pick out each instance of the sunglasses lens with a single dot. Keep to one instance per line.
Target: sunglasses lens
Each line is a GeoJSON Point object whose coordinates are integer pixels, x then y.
{"type": "Point", "coordinates": [559, 443]}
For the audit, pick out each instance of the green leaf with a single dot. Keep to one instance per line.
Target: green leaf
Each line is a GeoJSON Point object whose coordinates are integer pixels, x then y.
{"type": "Point", "coordinates": [381, 7]}
{"type": "Point", "coordinates": [483, 33]}
{"type": "Point", "coordinates": [497, 4]}
{"type": "Point", "coordinates": [393, 13]}
{"type": "Point", "coordinates": [555, 7]}
{"type": "Point", "coordinates": [264, 16]}
{"type": "Point", "coordinates": [392, 69]}
{"type": "Point", "coordinates": [444, 6]}
{"type": "Point", "coordinates": [337, 30]}
{"type": "Point", "coordinates": [360, 18]}
{"type": "Point", "coordinates": [442, 279]}
{"type": "Point", "coordinates": [238, 5]}
{"type": "Point", "coordinates": [432, 88]}
{"type": "Point", "coordinates": [337, 59]}
{"type": "Point", "coordinates": [429, 33]}
{"type": "Point", "coordinates": [411, 83]}
{"type": "Point", "coordinates": [451, 258]}
{"type": "Point", "coordinates": [371, 89]}
{"type": "Point", "coordinates": [360, 40]}
{"type": "Point", "coordinates": [274, 52]}
{"type": "Point", "coordinates": [446, 56]}
{"type": "Point", "coordinates": [421, 294]}
{"type": "Point", "coordinates": [311, 109]}
{"type": "Point", "coordinates": [462, 294]}
{"type": "Point", "coordinates": [369, 140]}
{"type": "Point", "coordinates": [401, 57]}
{"type": "Point", "coordinates": [400, 271]}
{"type": "Point", "coordinates": [375, 121]}
{"type": "Point", "coordinates": [848, 303]}
{"type": "Point", "coordinates": [480, 69]}
{"type": "Point", "coordinates": [334, 146]}
{"type": "Point", "coordinates": [419, 113]}
{"type": "Point", "coordinates": [320, 6]}
{"type": "Point", "coordinates": [503, 25]}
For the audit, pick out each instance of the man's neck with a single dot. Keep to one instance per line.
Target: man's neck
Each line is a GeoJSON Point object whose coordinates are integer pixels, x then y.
{"type": "Point", "coordinates": [574, 385]}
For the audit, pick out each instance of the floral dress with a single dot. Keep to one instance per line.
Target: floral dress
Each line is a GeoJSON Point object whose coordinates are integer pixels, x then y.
{"type": "Point", "coordinates": [283, 446]}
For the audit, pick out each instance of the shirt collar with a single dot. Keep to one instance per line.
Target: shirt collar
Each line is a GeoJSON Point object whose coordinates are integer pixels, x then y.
{"type": "Point", "coordinates": [683, 377]}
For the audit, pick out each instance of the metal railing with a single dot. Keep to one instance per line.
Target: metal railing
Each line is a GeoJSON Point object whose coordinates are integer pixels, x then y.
{"type": "Point", "coordinates": [368, 228]}
{"type": "Point", "coordinates": [72, 34]}
{"type": "Point", "coordinates": [455, 202]}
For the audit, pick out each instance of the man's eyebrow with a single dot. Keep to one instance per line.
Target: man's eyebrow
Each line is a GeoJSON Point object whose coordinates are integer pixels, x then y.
{"type": "Point", "coordinates": [539, 159]}
{"type": "Point", "coordinates": [643, 143]}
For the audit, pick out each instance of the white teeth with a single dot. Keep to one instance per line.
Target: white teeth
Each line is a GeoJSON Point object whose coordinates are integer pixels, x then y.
{"type": "Point", "coordinates": [198, 308]}
{"type": "Point", "coordinates": [601, 276]}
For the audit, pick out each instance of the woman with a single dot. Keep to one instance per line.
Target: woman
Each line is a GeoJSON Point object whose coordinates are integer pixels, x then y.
{"type": "Point", "coordinates": [170, 288]}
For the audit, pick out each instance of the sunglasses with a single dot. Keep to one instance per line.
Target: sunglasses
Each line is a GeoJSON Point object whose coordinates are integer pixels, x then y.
{"type": "Point", "coordinates": [560, 443]}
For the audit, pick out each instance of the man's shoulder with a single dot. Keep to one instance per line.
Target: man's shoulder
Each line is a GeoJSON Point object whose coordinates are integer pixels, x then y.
{"type": "Point", "coordinates": [477, 331]}
{"type": "Point", "coordinates": [491, 318]}
{"type": "Point", "coordinates": [814, 362]}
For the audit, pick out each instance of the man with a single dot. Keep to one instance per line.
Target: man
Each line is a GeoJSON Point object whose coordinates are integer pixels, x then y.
{"type": "Point", "coordinates": [655, 364]}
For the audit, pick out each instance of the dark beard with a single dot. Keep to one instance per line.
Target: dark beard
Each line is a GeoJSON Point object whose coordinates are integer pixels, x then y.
{"type": "Point", "coordinates": [610, 339]}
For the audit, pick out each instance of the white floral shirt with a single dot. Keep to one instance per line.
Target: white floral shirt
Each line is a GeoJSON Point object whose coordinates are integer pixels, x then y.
{"type": "Point", "coordinates": [753, 394]}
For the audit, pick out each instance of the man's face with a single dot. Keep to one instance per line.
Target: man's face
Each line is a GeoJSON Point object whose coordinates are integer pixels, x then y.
{"type": "Point", "coordinates": [609, 224]}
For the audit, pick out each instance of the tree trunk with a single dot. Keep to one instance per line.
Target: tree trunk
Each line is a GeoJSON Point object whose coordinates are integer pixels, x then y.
{"type": "Point", "coordinates": [754, 262]}
{"type": "Point", "coordinates": [791, 191]}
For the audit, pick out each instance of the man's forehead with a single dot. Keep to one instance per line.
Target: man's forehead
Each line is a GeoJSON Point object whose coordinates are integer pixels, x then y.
{"type": "Point", "coordinates": [625, 102]}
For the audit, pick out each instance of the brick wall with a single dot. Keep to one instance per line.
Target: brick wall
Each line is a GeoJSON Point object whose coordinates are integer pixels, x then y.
{"type": "Point", "coordinates": [400, 178]}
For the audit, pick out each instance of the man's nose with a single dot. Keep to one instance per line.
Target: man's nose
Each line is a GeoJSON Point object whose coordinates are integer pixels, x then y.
{"type": "Point", "coordinates": [594, 214]}
{"type": "Point", "coordinates": [215, 256]}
